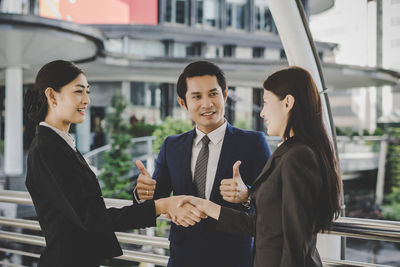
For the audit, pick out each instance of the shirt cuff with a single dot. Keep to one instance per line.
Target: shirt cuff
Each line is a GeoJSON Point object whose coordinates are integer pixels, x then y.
{"type": "Point", "coordinates": [136, 197]}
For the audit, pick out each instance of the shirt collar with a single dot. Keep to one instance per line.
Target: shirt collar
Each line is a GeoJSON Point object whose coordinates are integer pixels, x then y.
{"type": "Point", "coordinates": [64, 135]}
{"type": "Point", "coordinates": [215, 136]}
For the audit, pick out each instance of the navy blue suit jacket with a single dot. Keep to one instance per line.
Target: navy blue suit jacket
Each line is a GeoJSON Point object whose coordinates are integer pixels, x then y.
{"type": "Point", "coordinates": [202, 245]}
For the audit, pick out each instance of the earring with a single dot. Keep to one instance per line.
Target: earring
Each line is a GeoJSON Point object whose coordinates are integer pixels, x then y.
{"type": "Point", "coordinates": [54, 105]}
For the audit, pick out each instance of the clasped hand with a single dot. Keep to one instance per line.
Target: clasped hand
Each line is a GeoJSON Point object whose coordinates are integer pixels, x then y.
{"type": "Point", "coordinates": [185, 215]}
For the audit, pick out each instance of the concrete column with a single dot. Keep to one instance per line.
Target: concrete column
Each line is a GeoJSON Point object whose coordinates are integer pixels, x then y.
{"type": "Point", "coordinates": [126, 93]}
{"type": "Point", "coordinates": [83, 138]}
{"type": "Point", "coordinates": [126, 90]}
{"type": "Point", "coordinates": [13, 142]}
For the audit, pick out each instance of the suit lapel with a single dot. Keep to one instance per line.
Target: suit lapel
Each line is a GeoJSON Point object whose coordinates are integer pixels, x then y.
{"type": "Point", "coordinates": [186, 154]}
{"type": "Point", "coordinates": [270, 163]}
{"type": "Point", "coordinates": [264, 171]}
{"type": "Point", "coordinates": [49, 133]}
{"type": "Point", "coordinates": [225, 157]}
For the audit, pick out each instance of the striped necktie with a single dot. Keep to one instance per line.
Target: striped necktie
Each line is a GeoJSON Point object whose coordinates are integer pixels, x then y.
{"type": "Point", "coordinates": [200, 171]}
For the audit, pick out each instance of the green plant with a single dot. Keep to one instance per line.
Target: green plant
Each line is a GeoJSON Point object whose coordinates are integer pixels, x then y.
{"type": "Point", "coordinates": [118, 162]}
{"type": "Point", "coordinates": [169, 127]}
{"type": "Point", "coordinates": [346, 131]}
{"type": "Point", "coordinates": [243, 124]}
{"type": "Point", "coordinates": [391, 208]}
{"type": "Point", "coordinates": [141, 128]}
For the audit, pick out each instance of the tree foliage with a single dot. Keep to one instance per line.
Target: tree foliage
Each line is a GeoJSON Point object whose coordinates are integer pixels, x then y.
{"type": "Point", "coordinates": [118, 161]}
{"type": "Point", "coordinates": [169, 127]}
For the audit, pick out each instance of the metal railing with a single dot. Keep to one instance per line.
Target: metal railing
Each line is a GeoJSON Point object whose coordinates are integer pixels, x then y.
{"type": "Point", "coordinates": [348, 227]}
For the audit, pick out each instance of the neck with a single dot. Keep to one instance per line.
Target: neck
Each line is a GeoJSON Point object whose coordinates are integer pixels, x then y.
{"type": "Point", "coordinates": [60, 125]}
{"type": "Point", "coordinates": [291, 134]}
{"type": "Point", "coordinates": [208, 130]}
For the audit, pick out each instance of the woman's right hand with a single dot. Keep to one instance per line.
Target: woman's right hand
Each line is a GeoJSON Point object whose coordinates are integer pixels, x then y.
{"type": "Point", "coordinates": [184, 215]}
{"type": "Point", "coordinates": [207, 207]}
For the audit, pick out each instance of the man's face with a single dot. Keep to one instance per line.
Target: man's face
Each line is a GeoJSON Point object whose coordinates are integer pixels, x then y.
{"type": "Point", "coordinates": [205, 102]}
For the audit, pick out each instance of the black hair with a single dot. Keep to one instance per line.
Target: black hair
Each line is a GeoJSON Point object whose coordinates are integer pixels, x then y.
{"type": "Point", "coordinates": [306, 121]}
{"type": "Point", "coordinates": [199, 68]}
{"type": "Point", "coordinates": [55, 74]}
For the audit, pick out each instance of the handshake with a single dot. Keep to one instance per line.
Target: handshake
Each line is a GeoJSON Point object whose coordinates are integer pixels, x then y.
{"type": "Point", "coordinates": [189, 210]}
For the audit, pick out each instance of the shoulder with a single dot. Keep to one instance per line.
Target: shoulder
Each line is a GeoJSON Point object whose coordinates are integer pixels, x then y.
{"type": "Point", "coordinates": [300, 153]}
{"type": "Point", "coordinates": [47, 148]}
{"type": "Point", "coordinates": [179, 139]}
{"type": "Point", "coordinates": [247, 134]}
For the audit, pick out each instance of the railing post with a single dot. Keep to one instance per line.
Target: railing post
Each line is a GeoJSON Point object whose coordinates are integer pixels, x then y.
{"type": "Point", "coordinates": [380, 182]}
{"type": "Point", "coordinates": [150, 160]}
{"type": "Point", "coordinates": [150, 168]}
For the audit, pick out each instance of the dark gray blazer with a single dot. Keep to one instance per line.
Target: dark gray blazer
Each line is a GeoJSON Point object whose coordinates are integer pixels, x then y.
{"type": "Point", "coordinates": [77, 226]}
{"type": "Point", "coordinates": [285, 195]}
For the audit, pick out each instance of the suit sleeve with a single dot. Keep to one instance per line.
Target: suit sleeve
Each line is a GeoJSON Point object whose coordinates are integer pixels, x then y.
{"type": "Point", "coordinates": [234, 221]}
{"type": "Point", "coordinates": [161, 174]}
{"type": "Point", "coordinates": [301, 183]}
{"type": "Point", "coordinates": [59, 180]}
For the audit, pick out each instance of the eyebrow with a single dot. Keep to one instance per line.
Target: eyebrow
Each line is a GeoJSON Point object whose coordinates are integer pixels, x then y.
{"type": "Point", "coordinates": [82, 86]}
{"type": "Point", "coordinates": [209, 91]}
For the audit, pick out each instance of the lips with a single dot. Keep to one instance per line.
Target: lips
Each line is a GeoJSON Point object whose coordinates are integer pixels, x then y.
{"type": "Point", "coordinates": [82, 110]}
{"type": "Point", "coordinates": [209, 113]}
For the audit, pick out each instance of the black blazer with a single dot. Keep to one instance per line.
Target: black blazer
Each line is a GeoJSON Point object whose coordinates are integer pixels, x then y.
{"type": "Point", "coordinates": [285, 195]}
{"type": "Point", "coordinates": [77, 226]}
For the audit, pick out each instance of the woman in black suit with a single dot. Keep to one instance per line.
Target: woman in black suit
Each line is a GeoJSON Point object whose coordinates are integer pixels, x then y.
{"type": "Point", "coordinates": [297, 193]}
{"type": "Point", "coordinates": [78, 228]}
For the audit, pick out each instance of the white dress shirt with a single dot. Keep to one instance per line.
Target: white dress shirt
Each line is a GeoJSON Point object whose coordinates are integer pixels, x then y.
{"type": "Point", "coordinates": [64, 135]}
{"type": "Point", "coordinates": [215, 146]}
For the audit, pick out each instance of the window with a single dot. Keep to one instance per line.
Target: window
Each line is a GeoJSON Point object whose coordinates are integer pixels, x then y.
{"type": "Point", "coordinates": [138, 93]}
{"type": "Point", "coordinates": [269, 24]}
{"type": "Point", "coordinates": [283, 54]}
{"type": "Point", "coordinates": [176, 11]}
{"type": "Point", "coordinates": [207, 12]}
{"type": "Point", "coordinates": [229, 50]}
{"type": "Point", "coordinates": [168, 11]}
{"type": "Point", "coordinates": [263, 17]}
{"type": "Point", "coordinates": [236, 16]}
{"type": "Point", "coordinates": [180, 11]}
{"type": "Point", "coordinates": [258, 52]}
{"type": "Point", "coordinates": [155, 94]}
{"type": "Point", "coordinates": [195, 50]}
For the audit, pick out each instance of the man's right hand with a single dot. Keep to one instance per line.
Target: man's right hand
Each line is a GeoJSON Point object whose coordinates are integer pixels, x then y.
{"type": "Point", "coordinates": [145, 184]}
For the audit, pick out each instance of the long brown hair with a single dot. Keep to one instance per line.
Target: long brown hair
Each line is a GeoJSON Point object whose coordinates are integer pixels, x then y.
{"type": "Point", "coordinates": [306, 120]}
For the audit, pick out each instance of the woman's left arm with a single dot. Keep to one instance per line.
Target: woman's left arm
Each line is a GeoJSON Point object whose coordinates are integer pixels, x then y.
{"type": "Point", "coordinates": [301, 183]}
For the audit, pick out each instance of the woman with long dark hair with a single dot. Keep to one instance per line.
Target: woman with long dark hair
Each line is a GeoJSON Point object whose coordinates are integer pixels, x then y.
{"type": "Point", "coordinates": [297, 193]}
{"type": "Point", "coordinates": [77, 226]}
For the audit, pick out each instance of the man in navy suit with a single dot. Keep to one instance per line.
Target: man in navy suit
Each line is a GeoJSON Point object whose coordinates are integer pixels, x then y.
{"type": "Point", "coordinates": [188, 165]}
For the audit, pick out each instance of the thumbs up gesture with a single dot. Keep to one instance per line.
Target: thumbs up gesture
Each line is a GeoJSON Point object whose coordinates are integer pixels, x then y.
{"type": "Point", "coordinates": [145, 184]}
{"type": "Point", "coordinates": [234, 190]}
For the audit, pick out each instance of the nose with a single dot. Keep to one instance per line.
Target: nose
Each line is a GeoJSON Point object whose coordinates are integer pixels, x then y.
{"type": "Point", "coordinates": [206, 102]}
{"type": "Point", "coordinates": [86, 99]}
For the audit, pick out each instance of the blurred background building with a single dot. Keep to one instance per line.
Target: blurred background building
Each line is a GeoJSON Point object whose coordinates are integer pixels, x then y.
{"type": "Point", "coordinates": [138, 48]}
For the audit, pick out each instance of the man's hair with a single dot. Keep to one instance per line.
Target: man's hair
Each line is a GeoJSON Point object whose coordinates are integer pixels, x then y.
{"type": "Point", "coordinates": [199, 68]}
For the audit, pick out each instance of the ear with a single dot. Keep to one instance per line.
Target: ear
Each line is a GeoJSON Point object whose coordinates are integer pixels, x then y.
{"type": "Point", "coordinates": [225, 93]}
{"type": "Point", "coordinates": [289, 102]}
{"type": "Point", "coordinates": [182, 103]}
{"type": "Point", "coordinates": [51, 96]}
